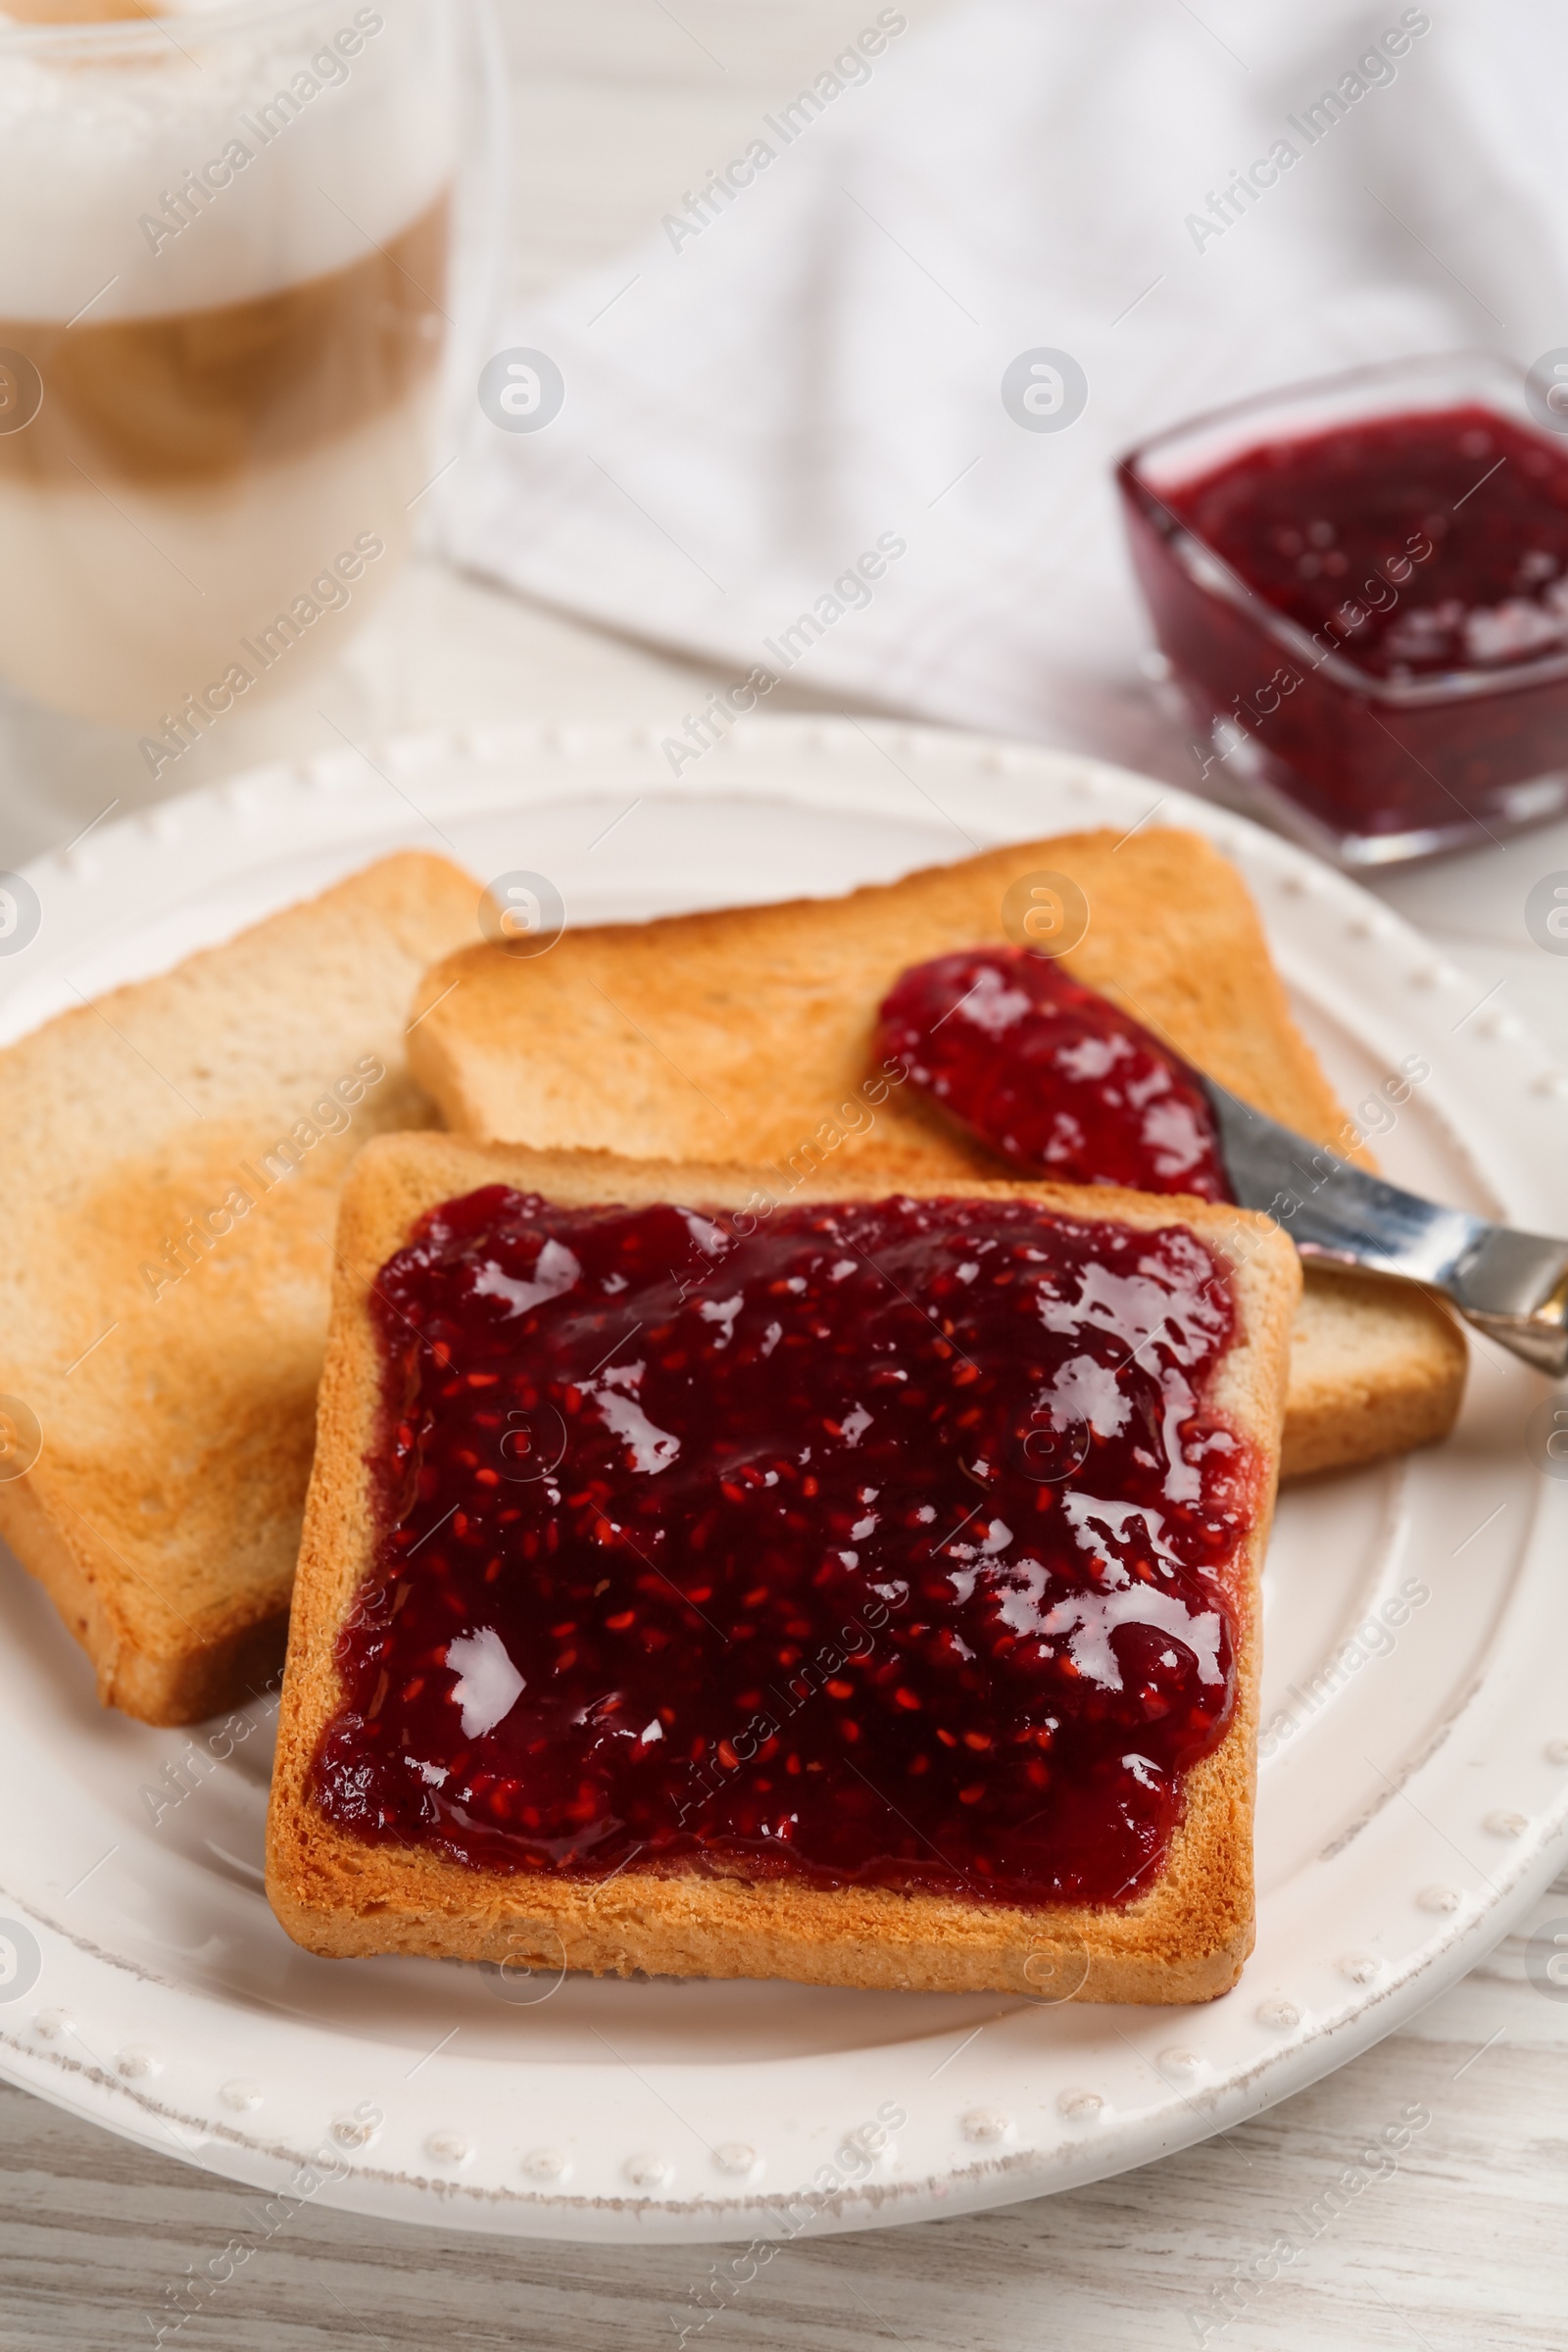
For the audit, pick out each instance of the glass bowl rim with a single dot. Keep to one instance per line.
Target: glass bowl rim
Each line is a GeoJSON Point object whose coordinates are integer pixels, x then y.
{"type": "Point", "coordinates": [1444, 686]}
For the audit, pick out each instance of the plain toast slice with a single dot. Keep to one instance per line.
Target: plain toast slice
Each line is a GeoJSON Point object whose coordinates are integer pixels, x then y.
{"type": "Point", "coordinates": [170, 1160]}
{"type": "Point", "coordinates": [340, 1894]}
{"type": "Point", "coordinates": [746, 1035]}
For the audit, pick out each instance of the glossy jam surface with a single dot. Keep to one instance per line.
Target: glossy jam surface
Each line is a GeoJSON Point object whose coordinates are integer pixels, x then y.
{"type": "Point", "coordinates": [890, 1543]}
{"type": "Point", "coordinates": [1051, 1075]}
{"type": "Point", "coordinates": [1307, 523]}
{"type": "Point", "coordinates": [1429, 552]}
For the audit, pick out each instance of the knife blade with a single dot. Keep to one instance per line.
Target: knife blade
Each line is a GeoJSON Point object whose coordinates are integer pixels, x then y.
{"type": "Point", "coordinates": [1512, 1285]}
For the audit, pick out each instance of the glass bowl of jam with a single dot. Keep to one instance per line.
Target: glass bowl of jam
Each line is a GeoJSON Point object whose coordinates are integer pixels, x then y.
{"type": "Point", "coordinates": [1360, 587]}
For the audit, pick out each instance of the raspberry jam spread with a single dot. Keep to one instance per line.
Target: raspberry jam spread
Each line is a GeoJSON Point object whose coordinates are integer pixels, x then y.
{"type": "Point", "coordinates": [1050, 1074]}
{"type": "Point", "coordinates": [1425, 556]}
{"type": "Point", "coordinates": [890, 1543]}
{"type": "Point", "coordinates": [1304, 523]}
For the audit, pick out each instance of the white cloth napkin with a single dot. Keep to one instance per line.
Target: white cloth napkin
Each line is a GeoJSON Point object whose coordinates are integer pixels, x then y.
{"type": "Point", "coordinates": [816, 372]}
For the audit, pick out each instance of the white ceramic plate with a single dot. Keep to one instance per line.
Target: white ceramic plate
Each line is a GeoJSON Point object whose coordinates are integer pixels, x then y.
{"type": "Point", "coordinates": [1410, 1796]}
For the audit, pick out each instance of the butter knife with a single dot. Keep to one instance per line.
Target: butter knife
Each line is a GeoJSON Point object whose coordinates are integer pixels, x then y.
{"type": "Point", "coordinates": [1512, 1285]}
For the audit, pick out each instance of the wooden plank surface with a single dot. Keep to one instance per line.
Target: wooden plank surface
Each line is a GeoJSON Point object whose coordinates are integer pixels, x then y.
{"type": "Point", "coordinates": [1462, 2246]}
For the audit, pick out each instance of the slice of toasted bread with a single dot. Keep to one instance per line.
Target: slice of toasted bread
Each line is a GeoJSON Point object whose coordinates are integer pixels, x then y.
{"type": "Point", "coordinates": [747, 1035]}
{"type": "Point", "coordinates": [1184, 1939]}
{"type": "Point", "coordinates": [170, 1159]}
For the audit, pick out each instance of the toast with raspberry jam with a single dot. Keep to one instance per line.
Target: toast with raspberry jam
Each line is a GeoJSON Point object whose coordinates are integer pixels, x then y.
{"type": "Point", "coordinates": [856, 1585]}
{"type": "Point", "coordinates": [751, 1035]}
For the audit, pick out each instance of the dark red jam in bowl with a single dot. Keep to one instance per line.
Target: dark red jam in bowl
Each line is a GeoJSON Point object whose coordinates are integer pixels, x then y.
{"type": "Point", "coordinates": [1051, 1075]}
{"type": "Point", "coordinates": [1420, 560]}
{"type": "Point", "coordinates": [891, 1544]}
{"type": "Point", "coordinates": [1465, 510]}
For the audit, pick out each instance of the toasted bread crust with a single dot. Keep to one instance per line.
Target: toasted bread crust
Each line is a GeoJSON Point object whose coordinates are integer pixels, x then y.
{"type": "Point", "coordinates": [174, 1379]}
{"type": "Point", "coordinates": [84, 1580]}
{"type": "Point", "coordinates": [1185, 1940]}
{"type": "Point", "coordinates": [746, 1036]}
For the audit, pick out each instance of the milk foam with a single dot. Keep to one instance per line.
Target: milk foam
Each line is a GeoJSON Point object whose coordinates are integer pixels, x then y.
{"type": "Point", "coordinates": [121, 612]}
{"type": "Point", "coordinates": [96, 136]}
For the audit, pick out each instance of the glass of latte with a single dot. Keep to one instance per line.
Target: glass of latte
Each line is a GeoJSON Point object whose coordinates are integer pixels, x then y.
{"type": "Point", "coordinates": [225, 296]}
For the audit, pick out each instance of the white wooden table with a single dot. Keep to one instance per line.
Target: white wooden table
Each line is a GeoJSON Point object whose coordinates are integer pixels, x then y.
{"type": "Point", "coordinates": [1463, 2246]}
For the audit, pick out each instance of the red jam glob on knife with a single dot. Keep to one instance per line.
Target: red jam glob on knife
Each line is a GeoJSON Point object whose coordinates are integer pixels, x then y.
{"type": "Point", "coordinates": [886, 1543]}
{"type": "Point", "coordinates": [1372, 618]}
{"type": "Point", "coordinates": [1050, 1074]}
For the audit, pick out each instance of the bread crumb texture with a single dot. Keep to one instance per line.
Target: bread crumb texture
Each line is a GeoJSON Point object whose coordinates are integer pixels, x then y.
{"type": "Point", "coordinates": [172, 1158]}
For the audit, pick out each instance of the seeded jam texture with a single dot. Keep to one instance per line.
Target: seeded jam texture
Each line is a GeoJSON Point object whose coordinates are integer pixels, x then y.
{"type": "Point", "coordinates": [888, 1544]}
{"type": "Point", "coordinates": [1051, 1075]}
{"type": "Point", "coordinates": [1464, 508]}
